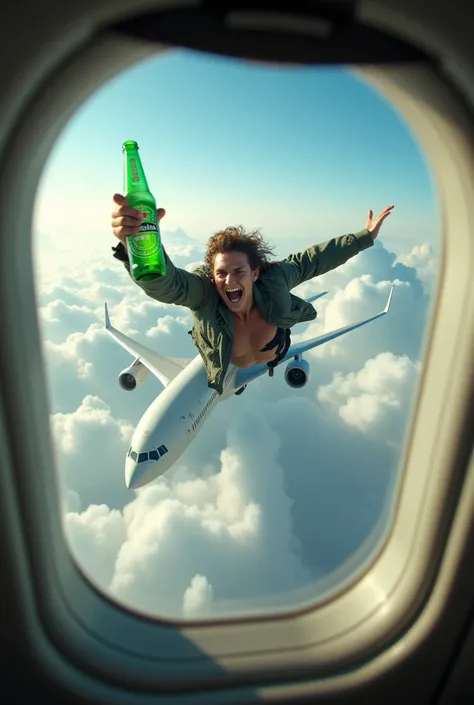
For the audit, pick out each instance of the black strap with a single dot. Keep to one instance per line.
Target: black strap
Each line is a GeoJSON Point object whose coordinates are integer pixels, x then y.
{"type": "Point", "coordinates": [280, 356]}
{"type": "Point", "coordinates": [278, 340]}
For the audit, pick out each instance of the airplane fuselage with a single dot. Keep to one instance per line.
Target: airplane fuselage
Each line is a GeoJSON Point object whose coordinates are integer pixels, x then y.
{"type": "Point", "coordinates": [179, 412]}
{"type": "Point", "coordinates": [172, 422]}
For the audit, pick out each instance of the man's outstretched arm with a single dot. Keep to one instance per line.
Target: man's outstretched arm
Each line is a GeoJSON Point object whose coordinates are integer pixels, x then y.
{"type": "Point", "coordinates": [177, 286]}
{"type": "Point", "coordinates": [326, 256]}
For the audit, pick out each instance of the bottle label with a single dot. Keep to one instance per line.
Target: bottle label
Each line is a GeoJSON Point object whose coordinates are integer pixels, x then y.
{"type": "Point", "coordinates": [147, 242]}
{"type": "Point", "coordinates": [133, 165]}
{"type": "Point", "coordinates": [144, 245]}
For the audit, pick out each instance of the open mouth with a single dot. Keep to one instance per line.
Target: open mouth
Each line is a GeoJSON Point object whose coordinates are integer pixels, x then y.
{"type": "Point", "coordinates": [234, 295]}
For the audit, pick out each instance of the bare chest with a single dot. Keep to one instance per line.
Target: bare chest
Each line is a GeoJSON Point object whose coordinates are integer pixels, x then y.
{"type": "Point", "coordinates": [249, 339]}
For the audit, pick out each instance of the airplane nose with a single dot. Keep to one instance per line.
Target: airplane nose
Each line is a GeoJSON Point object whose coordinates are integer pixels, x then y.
{"type": "Point", "coordinates": [131, 468]}
{"type": "Point", "coordinates": [140, 474]}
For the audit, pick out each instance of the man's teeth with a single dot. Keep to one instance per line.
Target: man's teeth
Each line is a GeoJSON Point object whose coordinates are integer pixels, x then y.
{"type": "Point", "coordinates": [232, 294]}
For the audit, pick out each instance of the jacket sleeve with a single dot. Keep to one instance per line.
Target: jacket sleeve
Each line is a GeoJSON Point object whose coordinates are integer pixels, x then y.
{"type": "Point", "coordinates": [177, 286]}
{"type": "Point", "coordinates": [320, 259]}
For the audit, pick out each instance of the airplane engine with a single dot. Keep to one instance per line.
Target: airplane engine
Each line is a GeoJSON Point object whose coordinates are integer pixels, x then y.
{"type": "Point", "coordinates": [297, 374]}
{"type": "Point", "coordinates": [133, 376]}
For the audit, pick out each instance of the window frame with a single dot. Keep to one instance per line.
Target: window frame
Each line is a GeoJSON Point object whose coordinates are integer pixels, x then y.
{"type": "Point", "coordinates": [350, 626]}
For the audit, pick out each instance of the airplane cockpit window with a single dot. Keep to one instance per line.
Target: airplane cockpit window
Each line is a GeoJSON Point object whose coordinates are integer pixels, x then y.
{"type": "Point", "coordinates": [285, 489]}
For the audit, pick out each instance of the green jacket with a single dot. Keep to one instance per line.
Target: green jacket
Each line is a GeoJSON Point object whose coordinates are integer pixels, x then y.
{"type": "Point", "coordinates": [213, 330]}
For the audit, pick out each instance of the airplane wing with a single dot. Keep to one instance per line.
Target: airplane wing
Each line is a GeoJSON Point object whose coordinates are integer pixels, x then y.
{"type": "Point", "coordinates": [245, 376]}
{"type": "Point", "coordinates": [164, 368]}
{"type": "Point", "coordinates": [316, 296]}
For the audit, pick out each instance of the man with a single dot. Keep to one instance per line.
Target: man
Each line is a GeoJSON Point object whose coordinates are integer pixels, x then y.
{"type": "Point", "coordinates": [241, 303]}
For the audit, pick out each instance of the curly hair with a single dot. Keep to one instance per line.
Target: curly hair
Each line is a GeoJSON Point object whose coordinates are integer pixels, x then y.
{"type": "Point", "coordinates": [235, 239]}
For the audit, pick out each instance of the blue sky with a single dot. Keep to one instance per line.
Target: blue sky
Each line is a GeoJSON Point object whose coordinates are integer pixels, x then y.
{"type": "Point", "coordinates": [301, 153]}
{"type": "Point", "coordinates": [281, 486]}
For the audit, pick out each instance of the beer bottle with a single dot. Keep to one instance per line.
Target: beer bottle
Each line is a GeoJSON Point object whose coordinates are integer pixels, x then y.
{"type": "Point", "coordinates": [145, 252]}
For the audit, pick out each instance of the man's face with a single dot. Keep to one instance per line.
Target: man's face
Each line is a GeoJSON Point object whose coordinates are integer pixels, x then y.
{"type": "Point", "coordinates": [234, 280]}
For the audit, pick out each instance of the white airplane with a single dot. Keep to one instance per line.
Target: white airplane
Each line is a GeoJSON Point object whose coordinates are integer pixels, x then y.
{"type": "Point", "coordinates": [175, 417]}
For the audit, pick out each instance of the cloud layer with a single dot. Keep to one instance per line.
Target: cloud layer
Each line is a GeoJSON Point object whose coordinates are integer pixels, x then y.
{"type": "Point", "coordinates": [184, 544]}
{"type": "Point", "coordinates": [280, 487]}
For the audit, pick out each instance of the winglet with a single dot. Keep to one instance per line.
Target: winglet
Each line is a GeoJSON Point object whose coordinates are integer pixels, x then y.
{"type": "Point", "coordinates": [316, 296]}
{"type": "Point", "coordinates": [389, 300]}
{"type": "Point", "coordinates": [107, 319]}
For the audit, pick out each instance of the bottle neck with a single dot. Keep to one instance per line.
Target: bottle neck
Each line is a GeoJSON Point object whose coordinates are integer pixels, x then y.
{"type": "Point", "coordinates": [134, 176]}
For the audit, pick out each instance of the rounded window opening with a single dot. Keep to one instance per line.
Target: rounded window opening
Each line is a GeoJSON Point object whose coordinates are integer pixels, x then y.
{"type": "Point", "coordinates": [285, 486]}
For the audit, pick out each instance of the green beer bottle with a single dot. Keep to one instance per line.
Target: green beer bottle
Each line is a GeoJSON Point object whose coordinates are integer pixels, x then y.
{"type": "Point", "coordinates": [145, 251]}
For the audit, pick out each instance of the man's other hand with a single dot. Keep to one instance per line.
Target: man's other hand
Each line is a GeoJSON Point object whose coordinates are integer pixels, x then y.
{"type": "Point", "coordinates": [373, 225]}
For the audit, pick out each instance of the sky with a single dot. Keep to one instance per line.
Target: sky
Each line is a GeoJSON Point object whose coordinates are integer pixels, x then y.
{"type": "Point", "coordinates": [282, 486]}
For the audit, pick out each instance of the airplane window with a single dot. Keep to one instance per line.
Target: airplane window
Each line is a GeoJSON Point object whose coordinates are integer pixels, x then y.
{"type": "Point", "coordinates": [142, 457]}
{"type": "Point", "coordinates": [290, 480]}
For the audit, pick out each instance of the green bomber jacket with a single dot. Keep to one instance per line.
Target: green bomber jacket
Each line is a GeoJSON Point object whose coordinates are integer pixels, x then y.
{"type": "Point", "coordinates": [213, 329]}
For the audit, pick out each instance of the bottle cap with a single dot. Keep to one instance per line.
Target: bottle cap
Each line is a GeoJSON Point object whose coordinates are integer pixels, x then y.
{"type": "Point", "coordinates": [129, 144]}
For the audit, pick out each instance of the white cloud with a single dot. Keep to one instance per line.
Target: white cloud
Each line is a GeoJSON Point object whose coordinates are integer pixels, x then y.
{"type": "Point", "coordinates": [376, 262]}
{"type": "Point", "coordinates": [72, 348]}
{"type": "Point", "coordinates": [423, 259]}
{"type": "Point", "coordinates": [60, 291]}
{"type": "Point", "coordinates": [59, 318]}
{"type": "Point", "coordinates": [377, 397]}
{"type": "Point", "coordinates": [192, 266]}
{"type": "Point", "coordinates": [90, 447]}
{"type": "Point", "coordinates": [401, 331]}
{"type": "Point", "coordinates": [170, 325]}
{"type": "Point", "coordinates": [197, 600]}
{"type": "Point", "coordinates": [95, 536]}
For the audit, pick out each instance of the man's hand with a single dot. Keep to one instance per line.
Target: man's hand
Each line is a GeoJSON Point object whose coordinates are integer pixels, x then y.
{"type": "Point", "coordinates": [374, 225]}
{"type": "Point", "coordinates": [126, 220]}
